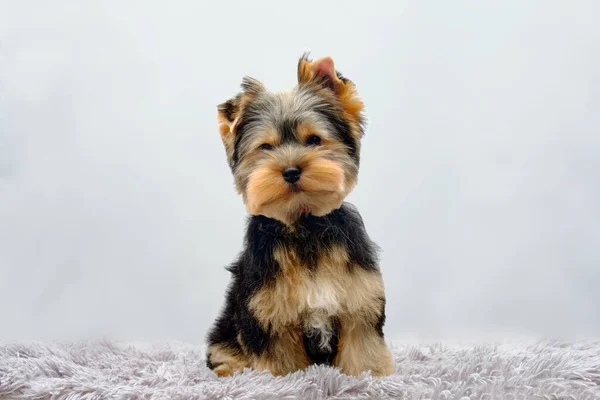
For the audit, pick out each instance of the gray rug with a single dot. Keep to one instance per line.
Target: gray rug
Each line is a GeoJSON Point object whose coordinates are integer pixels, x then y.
{"type": "Point", "coordinates": [101, 370]}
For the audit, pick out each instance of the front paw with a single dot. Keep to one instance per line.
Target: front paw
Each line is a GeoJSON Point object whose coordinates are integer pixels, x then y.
{"type": "Point", "coordinates": [223, 370]}
{"type": "Point", "coordinates": [224, 361]}
{"type": "Point", "coordinates": [385, 366]}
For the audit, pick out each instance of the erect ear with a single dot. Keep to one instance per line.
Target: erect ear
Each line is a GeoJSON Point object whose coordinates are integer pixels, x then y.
{"type": "Point", "coordinates": [322, 73]}
{"type": "Point", "coordinates": [231, 112]}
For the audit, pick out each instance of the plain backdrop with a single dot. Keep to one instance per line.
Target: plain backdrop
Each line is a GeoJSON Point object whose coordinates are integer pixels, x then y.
{"type": "Point", "coordinates": [480, 172]}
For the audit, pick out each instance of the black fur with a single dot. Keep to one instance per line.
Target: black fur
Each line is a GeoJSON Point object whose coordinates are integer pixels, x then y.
{"type": "Point", "coordinates": [381, 321]}
{"type": "Point", "coordinates": [312, 344]}
{"type": "Point", "coordinates": [287, 131]}
{"type": "Point", "coordinates": [229, 108]}
{"type": "Point", "coordinates": [342, 130]}
{"type": "Point", "coordinates": [239, 135]}
{"type": "Point", "coordinates": [256, 267]}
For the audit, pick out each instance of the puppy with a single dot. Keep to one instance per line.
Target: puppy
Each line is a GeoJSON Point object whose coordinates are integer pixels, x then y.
{"type": "Point", "coordinates": [307, 288]}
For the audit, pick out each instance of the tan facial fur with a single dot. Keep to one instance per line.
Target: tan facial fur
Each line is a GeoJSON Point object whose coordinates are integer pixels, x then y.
{"type": "Point", "coordinates": [321, 189]}
{"type": "Point", "coordinates": [317, 106]}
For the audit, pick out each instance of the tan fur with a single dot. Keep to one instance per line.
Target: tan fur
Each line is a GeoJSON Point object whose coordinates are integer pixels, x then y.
{"type": "Point", "coordinates": [227, 137]}
{"type": "Point", "coordinates": [296, 299]}
{"type": "Point", "coordinates": [361, 349]}
{"type": "Point", "coordinates": [345, 90]}
{"type": "Point", "coordinates": [226, 129]}
{"type": "Point", "coordinates": [267, 136]}
{"type": "Point", "coordinates": [226, 360]}
{"type": "Point", "coordinates": [228, 123]}
{"type": "Point", "coordinates": [306, 129]}
{"type": "Point", "coordinates": [332, 289]}
{"type": "Point", "coordinates": [285, 354]}
{"type": "Point", "coordinates": [276, 306]}
{"type": "Point", "coordinates": [355, 295]}
{"type": "Point", "coordinates": [322, 187]}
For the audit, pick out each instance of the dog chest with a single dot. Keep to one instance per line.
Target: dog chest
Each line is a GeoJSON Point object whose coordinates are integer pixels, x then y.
{"type": "Point", "coordinates": [311, 298]}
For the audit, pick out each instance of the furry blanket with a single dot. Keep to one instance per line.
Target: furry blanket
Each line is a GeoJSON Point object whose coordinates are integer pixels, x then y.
{"type": "Point", "coordinates": [102, 370]}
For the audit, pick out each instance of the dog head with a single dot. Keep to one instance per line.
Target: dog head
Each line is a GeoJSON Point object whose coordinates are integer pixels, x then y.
{"type": "Point", "coordinates": [294, 152]}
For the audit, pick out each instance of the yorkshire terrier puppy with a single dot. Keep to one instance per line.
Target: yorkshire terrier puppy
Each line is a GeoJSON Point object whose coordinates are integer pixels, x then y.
{"type": "Point", "coordinates": [307, 287]}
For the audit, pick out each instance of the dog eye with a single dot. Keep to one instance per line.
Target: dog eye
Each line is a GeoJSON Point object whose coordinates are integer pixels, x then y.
{"type": "Point", "coordinates": [313, 140]}
{"type": "Point", "coordinates": [265, 146]}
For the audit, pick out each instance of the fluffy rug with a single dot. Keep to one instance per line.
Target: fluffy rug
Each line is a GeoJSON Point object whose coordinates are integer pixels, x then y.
{"type": "Point", "coordinates": [101, 370]}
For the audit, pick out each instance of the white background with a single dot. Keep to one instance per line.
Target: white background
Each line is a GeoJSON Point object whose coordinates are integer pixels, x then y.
{"type": "Point", "coordinates": [480, 168]}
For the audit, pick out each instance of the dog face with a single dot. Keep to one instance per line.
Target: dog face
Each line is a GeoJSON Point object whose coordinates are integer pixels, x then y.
{"type": "Point", "coordinates": [294, 152]}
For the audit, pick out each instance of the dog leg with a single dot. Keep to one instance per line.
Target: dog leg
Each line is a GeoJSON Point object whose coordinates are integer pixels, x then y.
{"type": "Point", "coordinates": [225, 354]}
{"type": "Point", "coordinates": [362, 348]}
{"type": "Point", "coordinates": [284, 354]}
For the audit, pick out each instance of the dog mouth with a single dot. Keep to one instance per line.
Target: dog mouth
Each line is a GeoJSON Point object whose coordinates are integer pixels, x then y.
{"type": "Point", "coordinates": [296, 200]}
{"type": "Point", "coordinates": [296, 188]}
{"type": "Point", "coordinates": [304, 210]}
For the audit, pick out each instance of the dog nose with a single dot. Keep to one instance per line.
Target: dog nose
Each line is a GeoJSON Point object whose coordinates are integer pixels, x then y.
{"type": "Point", "coordinates": [291, 174]}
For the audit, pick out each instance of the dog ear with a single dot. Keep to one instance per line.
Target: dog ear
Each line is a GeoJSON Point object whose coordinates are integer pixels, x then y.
{"type": "Point", "coordinates": [227, 113]}
{"type": "Point", "coordinates": [322, 73]}
{"type": "Point", "coordinates": [230, 113]}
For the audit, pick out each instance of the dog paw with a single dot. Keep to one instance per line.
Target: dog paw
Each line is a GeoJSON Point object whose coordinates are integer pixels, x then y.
{"type": "Point", "coordinates": [223, 370]}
